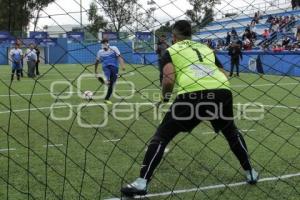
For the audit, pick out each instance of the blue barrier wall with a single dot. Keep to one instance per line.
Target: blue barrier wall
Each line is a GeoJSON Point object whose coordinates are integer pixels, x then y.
{"type": "Point", "coordinates": [284, 63]}
{"type": "Point", "coordinates": [3, 56]}
{"type": "Point", "coordinates": [86, 53]}
{"type": "Point", "coordinates": [144, 58]}
{"type": "Point", "coordinates": [82, 53]}
{"type": "Point", "coordinates": [57, 54]}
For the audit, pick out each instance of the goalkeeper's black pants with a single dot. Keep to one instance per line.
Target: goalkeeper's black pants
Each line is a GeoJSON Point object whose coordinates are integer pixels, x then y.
{"type": "Point", "coordinates": [187, 111]}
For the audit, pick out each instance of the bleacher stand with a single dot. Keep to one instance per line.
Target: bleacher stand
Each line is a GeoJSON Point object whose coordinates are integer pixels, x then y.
{"type": "Point", "coordinates": [261, 31]}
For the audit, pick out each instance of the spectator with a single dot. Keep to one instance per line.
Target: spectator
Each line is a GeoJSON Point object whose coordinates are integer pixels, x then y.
{"type": "Point", "coordinates": [277, 48]}
{"type": "Point", "coordinates": [266, 34]}
{"type": "Point", "coordinates": [270, 19]}
{"type": "Point", "coordinates": [228, 38]}
{"type": "Point", "coordinates": [37, 71]}
{"type": "Point", "coordinates": [298, 34]}
{"type": "Point", "coordinates": [233, 32]}
{"type": "Point", "coordinates": [247, 44]}
{"type": "Point", "coordinates": [236, 54]}
{"type": "Point", "coordinates": [296, 47]}
{"type": "Point", "coordinates": [293, 18]}
{"type": "Point", "coordinates": [234, 39]}
{"type": "Point", "coordinates": [253, 35]}
{"type": "Point", "coordinates": [31, 59]}
{"type": "Point", "coordinates": [247, 34]}
{"type": "Point", "coordinates": [256, 18]}
{"type": "Point", "coordinates": [286, 42]}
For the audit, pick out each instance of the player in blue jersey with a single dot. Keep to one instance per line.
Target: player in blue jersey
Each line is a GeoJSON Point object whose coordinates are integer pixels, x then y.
{"type": "Point", "coordinates": [110, 58]}
{"type": "Point", "coordinates": [16, 57]}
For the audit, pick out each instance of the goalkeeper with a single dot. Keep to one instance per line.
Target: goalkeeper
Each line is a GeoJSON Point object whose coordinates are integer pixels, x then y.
{"type": "Point", "coordinates": [203, 89]}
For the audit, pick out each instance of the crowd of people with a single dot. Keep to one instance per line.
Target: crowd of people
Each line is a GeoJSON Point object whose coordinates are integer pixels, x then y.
{"type": "Point", "coordinates": [247, 41]}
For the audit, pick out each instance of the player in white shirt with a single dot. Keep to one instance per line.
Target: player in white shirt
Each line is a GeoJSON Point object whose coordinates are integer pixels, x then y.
{"type": "Point", "coordinates": [31, 59]}
{"type": "Point", "coordinates": [110, 57]}
{"type": "Point", "coordinates": [16, 57]}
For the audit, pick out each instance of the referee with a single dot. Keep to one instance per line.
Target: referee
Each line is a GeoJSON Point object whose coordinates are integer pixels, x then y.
{"type": "Point", "coordinates": [203, 89]}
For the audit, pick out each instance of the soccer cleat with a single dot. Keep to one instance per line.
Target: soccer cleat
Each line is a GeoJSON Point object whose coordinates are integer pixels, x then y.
{"type": "Point", "coordinates": [101, 80]}
{"type": "Point", "coordinates": [108, 102]}
{"type": "Point", "coordinates": [252, 176]}
{"type": "Point", "coordinates": [138, 187]}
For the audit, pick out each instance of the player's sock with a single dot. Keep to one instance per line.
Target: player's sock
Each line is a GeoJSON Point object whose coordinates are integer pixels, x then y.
{"type": "Point", "coordinates": [12, 75]}
{"type": "Point", "coordinates": [109, 91]}
{"type": "Point", "coordinates": [108, 102]}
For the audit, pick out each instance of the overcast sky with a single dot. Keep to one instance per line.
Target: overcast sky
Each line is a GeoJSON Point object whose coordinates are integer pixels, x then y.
{"type": "Point", "coordinates": [67, 11]}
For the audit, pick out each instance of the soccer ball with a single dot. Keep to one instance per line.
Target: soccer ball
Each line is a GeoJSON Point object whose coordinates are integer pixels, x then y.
{"type": "Point", "coordinates": [88, 95]}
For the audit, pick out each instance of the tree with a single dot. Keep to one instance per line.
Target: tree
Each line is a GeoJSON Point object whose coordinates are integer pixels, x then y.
{"type": "Point", "coordinates": [14, 15]}
{"type": "Point", "coordinates": [97, 21]}
{"type": "Point", "coordinates": [37, 6]}
{"type": "Point", "coordinates": [120, 12]}
{"type": "Point", "coordinates": [18, 14]}
{"type": "Point", "coordinates": [167, 28]}
{"type": "Point", "coordinates": [202, 12]}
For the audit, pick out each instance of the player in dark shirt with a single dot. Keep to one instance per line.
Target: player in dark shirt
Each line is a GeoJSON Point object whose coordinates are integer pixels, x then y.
{"type": "Point", "coordinates": [236, 54]}
{"type": "Point", "coordinates": [37, 51]}
{"type": "Point", "coordinates": [162, 46]}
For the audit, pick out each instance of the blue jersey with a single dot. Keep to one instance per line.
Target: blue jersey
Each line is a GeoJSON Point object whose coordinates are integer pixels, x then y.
{"type": "Point", "coordinates": [16, 55]}
{"type": "Point", "coordinates": [109, 57]}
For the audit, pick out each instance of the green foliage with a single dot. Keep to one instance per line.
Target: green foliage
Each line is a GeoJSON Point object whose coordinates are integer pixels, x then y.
{"type": "Point", "coordinates": [18, 14]}
{"type": "Point", "coordinates": [97, 21]}
{"type": "Point", "coordinates": [120, 12]}
{"type": "Point", "coordinates": [167, 28]}
{"type": "Point", "coordinates": [201, 13]}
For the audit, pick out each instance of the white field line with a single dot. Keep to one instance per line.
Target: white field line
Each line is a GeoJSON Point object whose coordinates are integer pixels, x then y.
{"type": "Point", "coordinates": [113, 140]}
{"type": "Point", "coordinates": [154, 89]}
{"type": "Point", "coordinates": [263, 85]}
{"type": "Point", "coordinates": [5, 150]}
{"type": "Point", "coordinates": [53, 145]}
{"type": "Point", "coordinates": [75, 106]}
{"type": "Point", "coordinates": [211, 187]}
{"type": "Point", "coordinates": [72, 78]}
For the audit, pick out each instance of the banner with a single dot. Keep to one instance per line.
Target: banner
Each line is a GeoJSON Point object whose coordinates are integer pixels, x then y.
{"type": "Point", "coordinates": [144, 42]}
{"type": "Point", "coordinates": [5, 37]}
{"type": "Point", "coordinates": [75, 37]}
{"type": "Point", "coordinates": [28, 41]}
{"type": "Point", "coordinates": [111, 36]}
{"type": "Point", "coordinates": [48, 42]}
{"type": "Point", "coordinates": [38, 35]}
{"type": "Point", "coordinates": [145, 36]}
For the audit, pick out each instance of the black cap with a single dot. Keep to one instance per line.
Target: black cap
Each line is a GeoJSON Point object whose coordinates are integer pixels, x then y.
{"type": "Point", "coordinates": [105, 40]}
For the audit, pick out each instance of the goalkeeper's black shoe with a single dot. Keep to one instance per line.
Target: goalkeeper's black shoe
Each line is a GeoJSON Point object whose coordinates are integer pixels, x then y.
{"type": "Point", "coordinates": [137, 188]}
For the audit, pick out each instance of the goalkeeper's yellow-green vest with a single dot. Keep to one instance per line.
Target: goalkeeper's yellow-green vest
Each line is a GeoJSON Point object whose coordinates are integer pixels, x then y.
{"type": "Point", "coordinates": [195, 68]}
